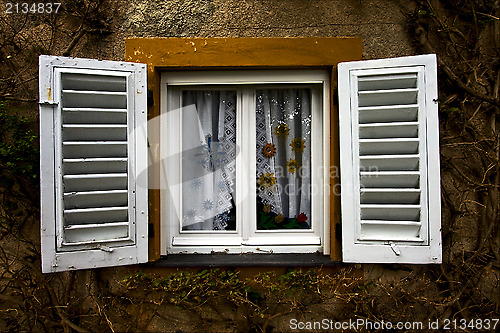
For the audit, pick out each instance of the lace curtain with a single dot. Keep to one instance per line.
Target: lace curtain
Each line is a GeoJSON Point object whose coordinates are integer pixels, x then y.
{"type": "Point", "coordinates": [283, 158]}
{"type": "Point", "coordinates": [283, 154]}
{"type": "Point", "coordinates": [208, 160]}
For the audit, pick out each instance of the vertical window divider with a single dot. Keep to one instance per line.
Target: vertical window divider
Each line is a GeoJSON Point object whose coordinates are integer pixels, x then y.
{"type": "Point", "coordinates": [246, 168]}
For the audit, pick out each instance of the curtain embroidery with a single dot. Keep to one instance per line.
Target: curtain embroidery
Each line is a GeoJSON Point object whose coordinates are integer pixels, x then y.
{"type": "Point", "coordinates": [208, 161]}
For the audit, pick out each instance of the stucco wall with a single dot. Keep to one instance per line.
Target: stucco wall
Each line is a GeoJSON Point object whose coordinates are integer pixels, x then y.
{"type": "Point", "coordinates": [381, 24]}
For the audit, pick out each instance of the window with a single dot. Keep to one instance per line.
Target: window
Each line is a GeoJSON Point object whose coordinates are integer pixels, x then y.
{"type": "Point", "coordinates": [234, 149]}
{"type": "Point", "coordinates": [245, 154]}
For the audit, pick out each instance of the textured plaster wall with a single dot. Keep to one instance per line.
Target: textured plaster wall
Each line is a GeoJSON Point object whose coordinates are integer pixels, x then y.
{"type": "Point", "coordinates": [380, 23]}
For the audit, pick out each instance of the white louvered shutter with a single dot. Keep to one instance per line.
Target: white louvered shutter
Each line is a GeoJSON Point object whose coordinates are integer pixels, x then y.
{"type": "Point", "coordinates": [389, 150]}
{"type": "Point", "coordinates": [93, 163]}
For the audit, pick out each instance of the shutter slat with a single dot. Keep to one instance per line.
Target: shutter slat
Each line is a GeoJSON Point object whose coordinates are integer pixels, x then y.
{"type": "Point", "coordinates": [95, 93]}
{"type": "Point", "coordinates": [94, 99]}
{"type": "Point", "coordinates": [107, 232]}
{"type": "Point", "coordinates": [91, 226]}
{"type": "Point", "coordinates": [390, 195]}
{"type": "Point", "coordinates": [80, 109]}
{"type": "Point", "coordinates": [91, 82]}
{"type": "Point", "coordinates": [383, 179]}
{"type": "Point", "coordinates": [96, 176]}
{"type": "Point", "coordinates": [95, 215]}
{"type": "Point", "coordinates": [94, 182]}
{"type": "Point", "coordinates": [402, 231]}
{"type": "Point", "coordinates": [389, 162]}
{"type": "Point", "coordinates": [388, 114]}
{"type": "Point", "coordinates": [85, 143]}
{"type": "Point", "coordinates": [94, 116]}
{"type": "Point", "coordinates": [389, 81]}
{"type": "Point", "coordinates": [388, 97]}
{"type": "Point", "coordinates": [96, 199]}
{"type": "Point", "coordinates": [94, 126]}
{"type": "Point", "coordinates": [79, 149]}
{"type": "Point", "coordinates": [94, 165]}
{"type": "Point", "coordinates": [390, 212]}
{"type": "Point", "coordinates": [393, 130]}
{"type": "Point", "coordinates": [97, 132]}
{"type": "Point", "coordinates": [95, 159]}
{"type": "Point", "coordinates": [394, 146]}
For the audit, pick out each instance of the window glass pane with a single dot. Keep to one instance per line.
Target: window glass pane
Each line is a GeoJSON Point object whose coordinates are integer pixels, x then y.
{"type": "Point", "coordinates": [208, 160]}
{"type": "Point", "coordinates": [283, 118]}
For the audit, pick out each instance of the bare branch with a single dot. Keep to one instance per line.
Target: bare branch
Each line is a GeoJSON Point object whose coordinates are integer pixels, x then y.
{"type": "Point", "coordinates": [449, 73]}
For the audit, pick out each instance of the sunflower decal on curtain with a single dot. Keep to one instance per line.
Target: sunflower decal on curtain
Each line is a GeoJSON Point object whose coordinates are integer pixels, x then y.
{"type": "Point", "coordinates": [267, 180]}
{"type": "Point", "coordinates": [292, 165]}
{"type": "Point", "coordinates": [298, 145]}
{"type": "Point", "coordinates": [281, 130]}
{"type": "Point", "coordinates": [268, 150]}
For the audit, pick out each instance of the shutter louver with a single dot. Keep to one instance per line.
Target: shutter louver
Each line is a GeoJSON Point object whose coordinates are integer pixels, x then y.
{"type": "Point", "coordinates": [94, 158]}
{"type": "Point", "coordinates": [91, 159]}
{"type": "Point", "coordinates": [389, 171]}
{"type": "Point", "coordinates": [385, 192]}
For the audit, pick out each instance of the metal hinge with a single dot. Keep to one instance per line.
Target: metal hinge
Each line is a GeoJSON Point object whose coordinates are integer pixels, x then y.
{"type": "Point", "coordinates": [338, 230]}
{"type": "Point", "coordinates": [151, 100]}
{"type": "Point", "coordinates": [48, 103]}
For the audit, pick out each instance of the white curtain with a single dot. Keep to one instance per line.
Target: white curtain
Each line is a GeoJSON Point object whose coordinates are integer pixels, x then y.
{"type": "Point", "coordinates": [208, 159]}
{"type": "Point", "coordinates": [284, 129]}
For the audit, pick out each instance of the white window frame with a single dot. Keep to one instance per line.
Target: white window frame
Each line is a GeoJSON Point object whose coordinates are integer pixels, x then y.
{"type": "Point", "coordinates": [246, 238]}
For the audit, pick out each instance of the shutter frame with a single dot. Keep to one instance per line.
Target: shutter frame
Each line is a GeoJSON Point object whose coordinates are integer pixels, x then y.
{"type": "Point", "coordinates": [387, 250]}
{"type": "Point", "coordinates": [104, 252]}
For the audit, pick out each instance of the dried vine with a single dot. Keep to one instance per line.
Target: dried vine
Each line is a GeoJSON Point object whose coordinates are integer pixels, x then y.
{"type": "Point", "coordinates": [465, 35]}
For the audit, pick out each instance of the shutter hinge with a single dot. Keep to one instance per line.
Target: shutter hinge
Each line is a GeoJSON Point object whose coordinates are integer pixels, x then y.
{"type": "Point", "coordinates": [151, 100]}
{"type": "Point", "coordinates": [49, 103]}
{"type": "Point", "coordinates": [395, 248]}
{"type": "Point", "coordinates": [336, 96]}
{"type": "Point", "coordinates": [151, 230]}
{"type": "Point", "coordinates": [338, 231]}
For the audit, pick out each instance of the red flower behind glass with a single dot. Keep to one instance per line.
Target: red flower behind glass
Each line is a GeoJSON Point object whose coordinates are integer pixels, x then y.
{"type": "Point", "coordinates": [302, 217]}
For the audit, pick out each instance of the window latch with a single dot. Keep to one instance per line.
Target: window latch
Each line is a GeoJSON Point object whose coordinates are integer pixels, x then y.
{"type": "Point", "coordinates": [105, 248]}
{"type": "Point", "coordinates": [264, 250]}
{"type": "Point", "coordinates": [395, 248]}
